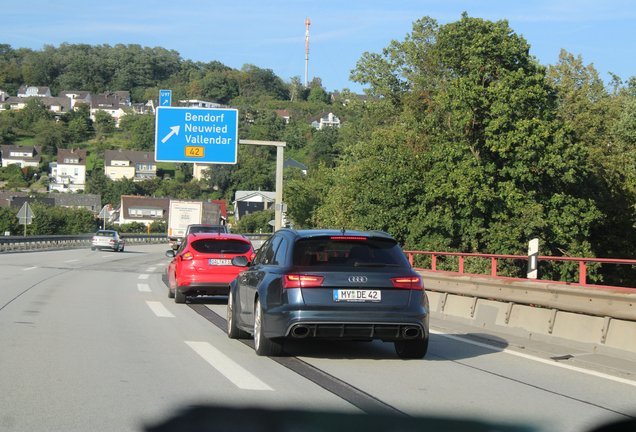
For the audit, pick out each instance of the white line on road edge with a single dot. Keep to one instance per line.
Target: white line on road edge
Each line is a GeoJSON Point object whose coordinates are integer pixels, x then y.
{"type": "Point", "coordinates": [235, 373]}
{"type": "Point", "coordinates": [144, 276]}
{"type": "Point", "coordinates": [70, 261]}
{"type": "Point", "coordinates": [28, 268]}
{"type": "Point", "coordinates": [537, 359]}
{"type": "Point", "coordinates": [143, 287]}
{"type": "Point", "coordinates": [151, 269]}
{"type": "Point", "coordinates": [159, 309]}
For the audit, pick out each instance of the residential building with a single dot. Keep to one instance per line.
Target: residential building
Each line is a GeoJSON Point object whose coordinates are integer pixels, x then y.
{"type": "Point", "coordinates": [30, 91]}
{"type": "Point", "coordinates": [141, 209]}
{"type": "Point", "coordinates": [337, 97]}
{"type": "Point", "coordinates": [196, 103]}
{"type": "Point", "coordinates": [90, 202]}
{"type": "Point", "coordinates": [114, 103]}
{"type": "Point", "coordinates": [77, 97]}
{"type": "Point", "coordinates": [3, 96]}
{"type": "Point", "coordinates": [25, 156]}
{"type": "Point", "coordinates": [149, 107]}
{"type": "Point", "coordinates": [327, 118]}
{"type": "Point", "coordinates": [57, 105]}
{"type": "Point", "coordinates": [293, 163]}
{"type": "Point", "coordinates": [284, 114]}
{"type": "Point", "coordinates": [7, 197]}
{"type": "Point", "coordinates": [68, 174]}
{"type": "Point", "coordinates": [248, 202]}
{"type": "Point", "coordinates": [137, 165]}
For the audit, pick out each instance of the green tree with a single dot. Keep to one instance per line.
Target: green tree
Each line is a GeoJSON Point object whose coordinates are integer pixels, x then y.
{"type": "Point", "coordinates": [104, 123]}
{"type": "Point", "coordinates": [257, 222]}
{"type": "Point", "coordinates": [318, 94]}
{"type": "Point", "coordinates": [470, 154]}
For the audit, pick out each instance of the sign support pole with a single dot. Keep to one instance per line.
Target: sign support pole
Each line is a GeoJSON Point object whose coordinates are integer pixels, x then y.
{"type": "Point", "coordinates": [280, 147]}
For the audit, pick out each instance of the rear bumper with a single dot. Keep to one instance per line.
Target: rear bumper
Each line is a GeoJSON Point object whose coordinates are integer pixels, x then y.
{"type": "Point", "coordinates": [204, 289]}
{"type": "Point", "coordinates": [411, 322]}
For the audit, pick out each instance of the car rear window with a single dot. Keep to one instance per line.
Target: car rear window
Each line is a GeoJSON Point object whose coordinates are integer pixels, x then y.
{"type": "Point", "coordinates": [348, 252]}
{"type": "Point", "coordinates": [206, 229]}
{"type": "Point", "coordinates": [104, 234]}
{"type": "Point", "coordinates": [218, 246]}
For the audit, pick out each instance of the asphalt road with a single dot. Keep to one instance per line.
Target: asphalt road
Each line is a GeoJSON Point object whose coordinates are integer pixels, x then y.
{"type": "Point", "coordinates": [90, 341]}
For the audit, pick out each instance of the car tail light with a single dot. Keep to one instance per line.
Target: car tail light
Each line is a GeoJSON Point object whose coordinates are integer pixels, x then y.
{"type": "Point", "coordinates": [113, 241]}
{"type": "Point", "coordinates": [251, 257]}
{"type": "Point", "coordinates": [302, 281]}
{"type": "Point", "coordinates": [187, 256]}
{"type": "Point", "coordinates": [348, 238]}
{"type": "Point", "coordinates": [409, 282]}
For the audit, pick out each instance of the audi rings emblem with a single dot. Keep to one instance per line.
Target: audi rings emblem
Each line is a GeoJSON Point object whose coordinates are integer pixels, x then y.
{"type": "Point", "coordinates": [357, 279]}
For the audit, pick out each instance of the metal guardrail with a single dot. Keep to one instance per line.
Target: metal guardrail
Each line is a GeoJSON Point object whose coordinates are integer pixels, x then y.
{"type": "Point", "coordinates": [582, 264]}
{"type": "Point", "coordinates": [581, 297]}
{"type": "Point", "coordinates": [35, 243]}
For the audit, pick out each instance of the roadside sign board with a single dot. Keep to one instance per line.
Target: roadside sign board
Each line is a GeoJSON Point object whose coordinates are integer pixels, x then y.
{"type": "Point", "coordinates": [203, 135]}
{"type": "Point", "coordinates": [25, 212]}
{"type": "Point", "coordinates": [165, 98]}
{"type": "Point", "coordinates": [104, 213]}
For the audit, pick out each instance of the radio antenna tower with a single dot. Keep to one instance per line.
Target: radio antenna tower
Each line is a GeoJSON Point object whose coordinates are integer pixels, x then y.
{"type": "Point", "coordinates": [307, 23]}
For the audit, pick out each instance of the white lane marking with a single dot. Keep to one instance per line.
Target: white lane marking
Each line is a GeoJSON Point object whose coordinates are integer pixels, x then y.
{"type": "Point", "coordinates": [228, 368]}
{"type": "Point", "coordinates": [144, 276]}
{"type": "Point", "coordinates": [28, 268]}
{"type": "Point", "coordinates": [143, 287]}
{"type": "Point", "coordinates": [151, 269]}
{"type": "Point", "coordinates": [159, 309]}
{"type": "Point", "coordinates": [71, 261]}
{"type": "Point", "coordinates": [162, 264]}
{"type": "Point", "coordinates": [537, 359]}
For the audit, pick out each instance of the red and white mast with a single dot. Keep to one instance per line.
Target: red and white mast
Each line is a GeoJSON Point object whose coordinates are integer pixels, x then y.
{"type": "Point", "coordinates": [307, 23]}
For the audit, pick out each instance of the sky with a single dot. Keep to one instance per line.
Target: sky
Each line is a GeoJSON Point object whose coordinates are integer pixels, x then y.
{"type": "Point", "coordinates": [271, 34]}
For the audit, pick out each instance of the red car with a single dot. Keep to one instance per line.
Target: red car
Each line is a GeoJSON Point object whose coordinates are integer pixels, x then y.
{"type": "Point", "coordinates": [203, 264]}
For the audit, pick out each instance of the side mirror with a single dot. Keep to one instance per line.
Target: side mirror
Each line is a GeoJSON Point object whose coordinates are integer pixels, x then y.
{"type": "Point", "coordinates": [240, 261]}
{"type": "Point", "coordinates": [170, 254]}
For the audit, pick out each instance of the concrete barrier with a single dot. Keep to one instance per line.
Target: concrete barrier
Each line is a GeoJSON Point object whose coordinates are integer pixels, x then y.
{"type": "Point", "coordinates": [605, 331]}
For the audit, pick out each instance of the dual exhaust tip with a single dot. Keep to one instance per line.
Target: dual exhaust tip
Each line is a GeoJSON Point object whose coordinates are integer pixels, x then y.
{"type": "Point", "coordinates": [302, 331]}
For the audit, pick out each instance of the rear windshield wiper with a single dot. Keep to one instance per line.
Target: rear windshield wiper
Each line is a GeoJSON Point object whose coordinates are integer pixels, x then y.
{"type": "Point", "coordinates": [231, 251]}
{"type": "Point", "coordinates": [363, 264]}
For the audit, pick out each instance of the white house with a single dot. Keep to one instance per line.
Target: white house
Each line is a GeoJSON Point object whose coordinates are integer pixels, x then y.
{"type": "Point", "coordinates": [247, 202]}
{"type": "Point", "coordinates": [30, 91]}
{"type": "Point", "coordinates": [24, 156]}
{"type": "Point", "coordinates": [69, 173]}
{"type": "Point", "coordinates": [196, 103]}
{"type": "Point", "coordinates": [327, 118]}
{"type": "Point", "coordinates": [77, 97]}
{"type": "Point", "coordinates": [114, 103]}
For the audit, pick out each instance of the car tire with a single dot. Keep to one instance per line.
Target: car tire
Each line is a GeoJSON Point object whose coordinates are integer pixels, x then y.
{"type": "Point", "coordinates": [179, 297]}
{"type": "Point", "coordinates": [92, 248]}
{"type": "Point", "coordinates": [262, 345]}
{"type": "Point", "coordinates": [170, 293]}
{"type": "Point", "coordinates": [233, 332]}
{"type": "Point", "coordinates": [122, 248]}
{"type": "Point", "coordinates": [411, 349]}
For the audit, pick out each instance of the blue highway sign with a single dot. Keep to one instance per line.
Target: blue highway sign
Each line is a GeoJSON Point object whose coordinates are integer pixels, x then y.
{"type": "Point", "coordinates": [165, 98]}
{"type": "Point", "coordinates": [196, 135]}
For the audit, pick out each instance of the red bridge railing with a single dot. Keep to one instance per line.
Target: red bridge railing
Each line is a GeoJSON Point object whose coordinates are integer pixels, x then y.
{"type": "Point", "coordinates": [582, 264]}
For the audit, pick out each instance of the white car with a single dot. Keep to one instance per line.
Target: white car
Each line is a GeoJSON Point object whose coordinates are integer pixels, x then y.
{"type": "Point", "coordinates": [107, 239]}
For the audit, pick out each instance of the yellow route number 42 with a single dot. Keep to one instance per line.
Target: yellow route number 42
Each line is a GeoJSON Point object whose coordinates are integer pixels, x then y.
{"type": "Point", "coordinates": [195, 151]}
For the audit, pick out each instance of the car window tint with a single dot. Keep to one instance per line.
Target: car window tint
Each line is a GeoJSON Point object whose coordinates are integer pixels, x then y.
{"type": "Point", "coordinates": [281, 252]}
{"type": "Point", "coordinates": [205, 229]}
{"type": "Point", "coordinates": [105, 234]}
{"type": "Point", "coordinates": [322, 251]}
{"type": "Point", "coordinates": [261, 251]}
{"type": "Point", "coordinates": [221, 246]}
{"type": "Point", "coordinates": [270, 253]}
